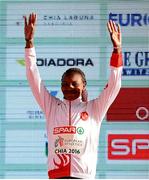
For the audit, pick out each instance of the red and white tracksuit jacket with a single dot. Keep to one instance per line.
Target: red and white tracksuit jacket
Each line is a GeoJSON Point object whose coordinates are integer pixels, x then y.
{"type": "Point", "coordinates": [73, 126]}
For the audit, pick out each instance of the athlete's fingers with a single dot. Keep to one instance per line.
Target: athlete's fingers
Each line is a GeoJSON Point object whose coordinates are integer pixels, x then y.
{"type": "Point", "coordinates": [119, 29]}
{"type": "Point", "coordinates": [35, 19]}
{"type": "Point", "coordinates": [25, 20]}
{"type": "Point", "coordinates": [114, 25]}
{"type": "Point", "coordinates": [109, 27]}
{"type": "Point", "coordinates": [30, 19]}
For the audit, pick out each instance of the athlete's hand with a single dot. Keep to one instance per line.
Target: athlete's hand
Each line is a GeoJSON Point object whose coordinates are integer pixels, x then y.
{"type": "Point", "coordinates": [29, 26]}
{"type": "Point", "coordinates": [115, 34]}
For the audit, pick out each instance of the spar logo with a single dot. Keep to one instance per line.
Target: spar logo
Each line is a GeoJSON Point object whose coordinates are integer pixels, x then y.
{"type": "Point", "coordinates": [130, 19]}
{"type": "Point", "coordinates": [80, 130]}
{"type": "Point", "coordinates": [64, 130]}
{"type": "Point", "coordinates": [128, 146]}
{"type": "Point", "coordinates": [68, 130]}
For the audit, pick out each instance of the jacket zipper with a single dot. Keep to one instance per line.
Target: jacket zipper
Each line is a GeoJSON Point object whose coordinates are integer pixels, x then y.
{"type": "Point", "coordinates": [69, 113]}
{"type": "Point", "coordinates": [70, 125]}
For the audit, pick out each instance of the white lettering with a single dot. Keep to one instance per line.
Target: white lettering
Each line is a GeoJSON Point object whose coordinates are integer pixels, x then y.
{"type": "Point", "coordinates": [121, 147]}
{"type": "Point", "coordinates": [135, 146]}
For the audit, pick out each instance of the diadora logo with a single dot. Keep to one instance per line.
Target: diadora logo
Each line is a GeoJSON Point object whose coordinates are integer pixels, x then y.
{"type": "Point", "coordinates": [64, 130]}
{"type": "Point", "coordinates": [128, 146]}
{"type": "Point", "coordinates": [60, 62]}
{"type": "Point", "coordinates": [64, 62]}
{"type": "Point", "coordinates": [130, 19]}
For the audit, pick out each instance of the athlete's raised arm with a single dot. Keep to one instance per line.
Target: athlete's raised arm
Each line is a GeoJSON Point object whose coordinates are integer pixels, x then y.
{"type": "Point", "coordinates": [40, 92]}
{"type": "Point", "coordinates": [111, 90]}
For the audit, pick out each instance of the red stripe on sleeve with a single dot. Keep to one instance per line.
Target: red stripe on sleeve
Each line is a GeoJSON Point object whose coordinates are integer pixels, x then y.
{"type": "Point", "coordinates": [116, 60]}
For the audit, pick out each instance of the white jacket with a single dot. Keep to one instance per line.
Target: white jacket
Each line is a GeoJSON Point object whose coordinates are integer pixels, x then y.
{"type": "Point", "coordinates": [73, 126]}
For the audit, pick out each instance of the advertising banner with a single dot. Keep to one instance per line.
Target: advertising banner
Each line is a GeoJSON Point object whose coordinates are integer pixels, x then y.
{"type": "Point", "coordinates": [53, 60]}
{"type": "Point", "coordinates": [131, 105]}
{"type": "Point", "coordinates": [56, 19]}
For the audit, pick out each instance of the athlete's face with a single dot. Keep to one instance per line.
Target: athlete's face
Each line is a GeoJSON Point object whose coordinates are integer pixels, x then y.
{"type": "Point", "coordinates": [72, 86]}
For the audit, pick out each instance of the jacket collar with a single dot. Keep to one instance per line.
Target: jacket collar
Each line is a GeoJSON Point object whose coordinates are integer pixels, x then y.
{"type": "Point", "coordinates": [76, 101]}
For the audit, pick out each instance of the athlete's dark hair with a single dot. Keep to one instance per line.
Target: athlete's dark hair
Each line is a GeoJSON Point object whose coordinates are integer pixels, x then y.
{"type": "Point", "coordinates": [71, 71]}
